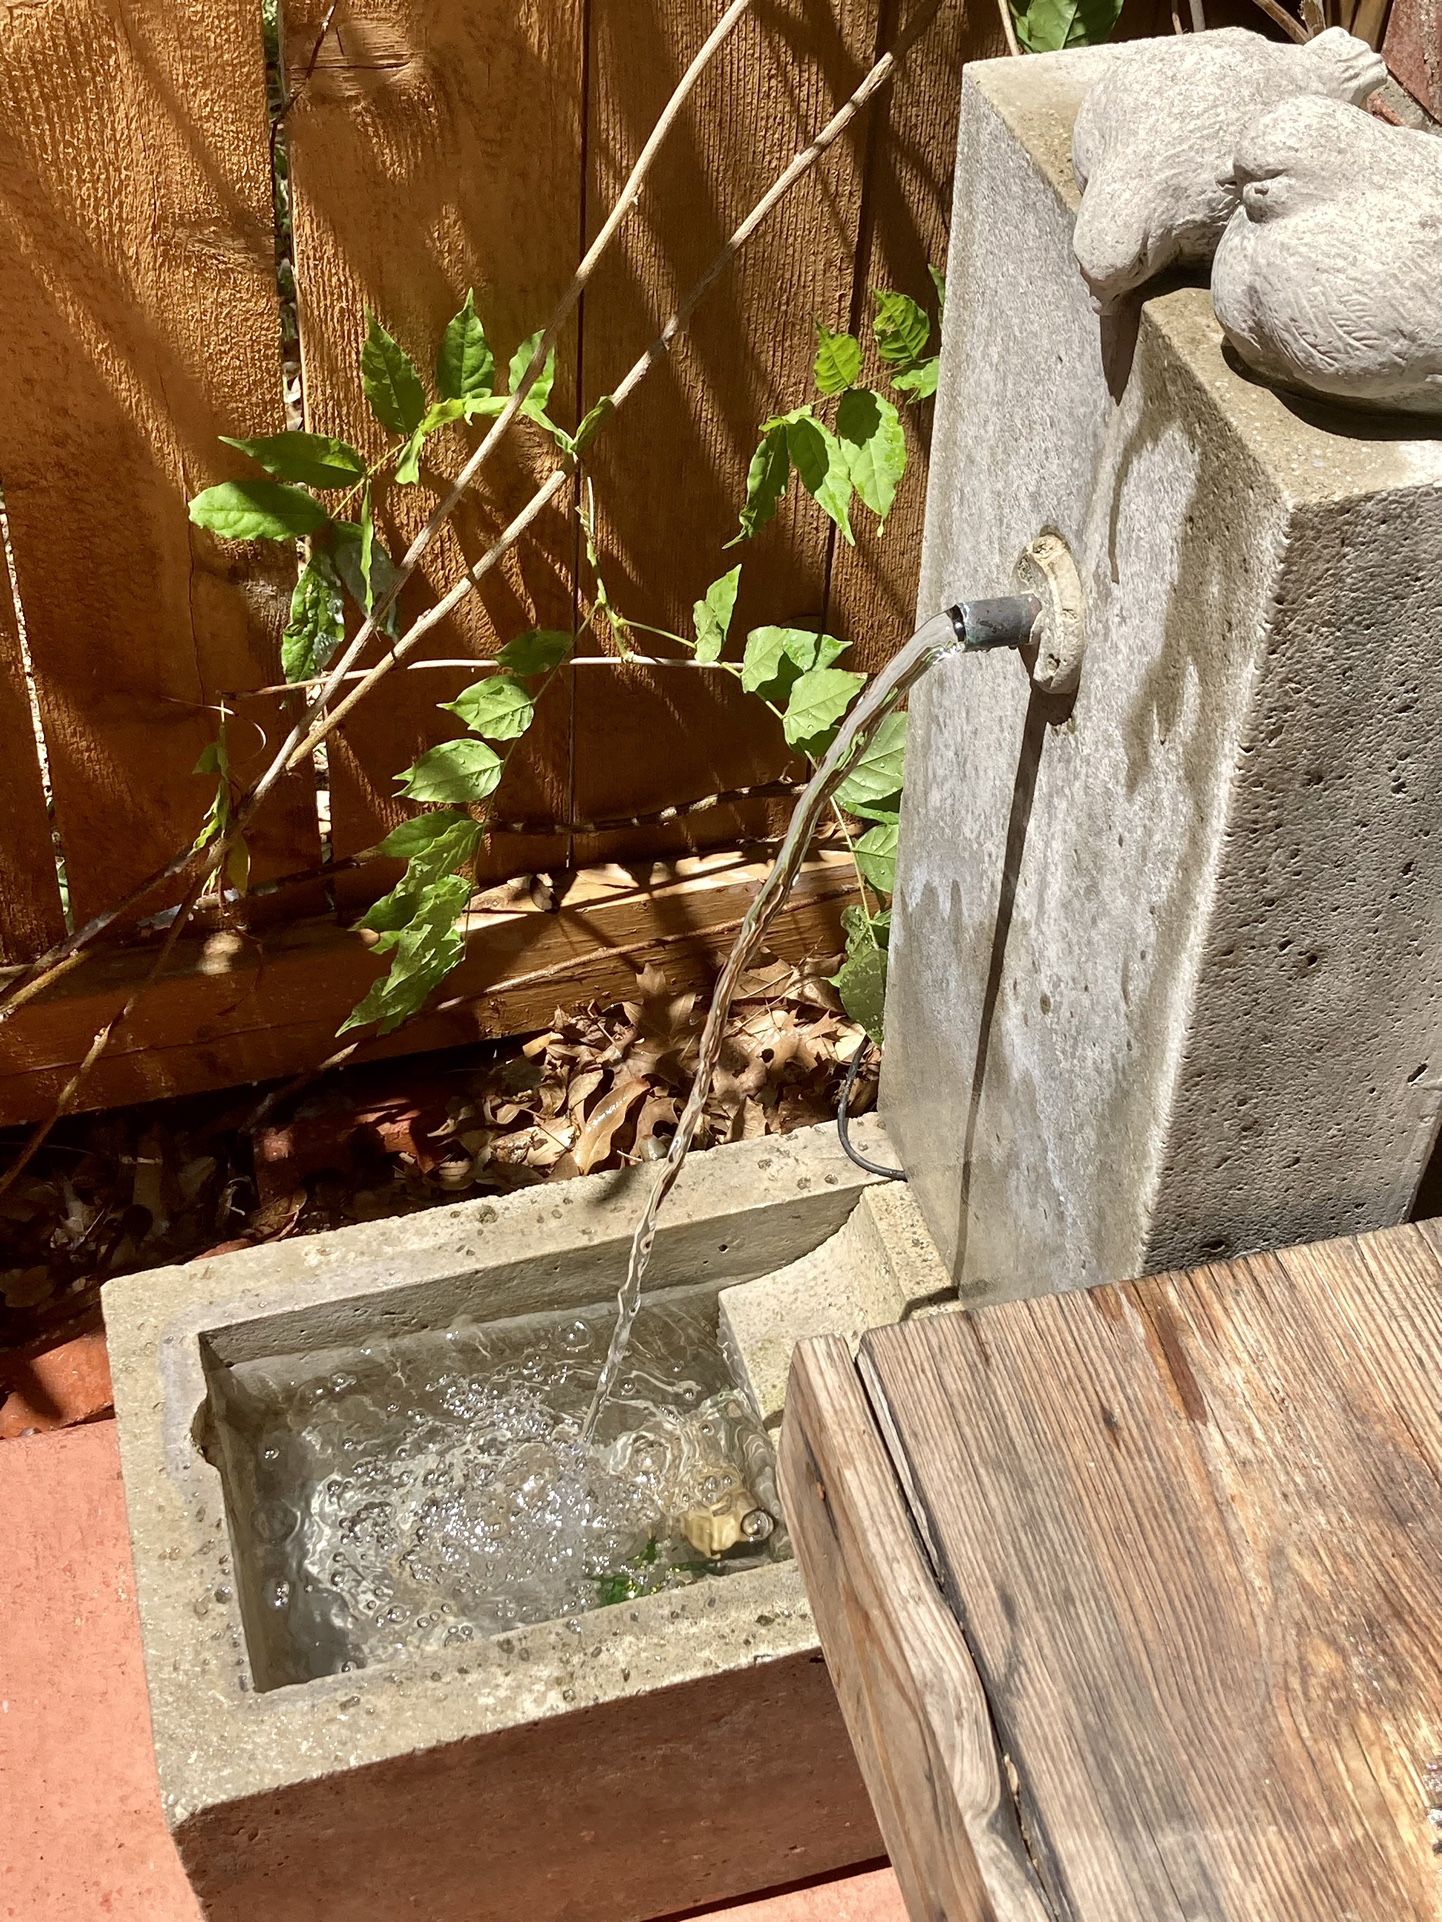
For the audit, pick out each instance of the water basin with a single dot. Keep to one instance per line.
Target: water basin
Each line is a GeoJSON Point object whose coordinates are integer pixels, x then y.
{"type": "Point", "coordinates": [401, 1496]}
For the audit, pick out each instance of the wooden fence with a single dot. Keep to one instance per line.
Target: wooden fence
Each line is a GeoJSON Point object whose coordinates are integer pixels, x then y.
{"type": "Point", "coordinates": [437, 145]}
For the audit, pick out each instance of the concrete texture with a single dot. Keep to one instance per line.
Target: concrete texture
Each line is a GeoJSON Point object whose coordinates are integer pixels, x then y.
{"type": "Point", "coordinates": [653, 1756]}
{"type": "Point", "coordinates": [879, 1267]}
{"type": "Point", "coordinates": [1167, 963]}
{"type": "Point", "coordinates": [1328, 279]}
{"type": "Point", "coordinates": [83, 1838]}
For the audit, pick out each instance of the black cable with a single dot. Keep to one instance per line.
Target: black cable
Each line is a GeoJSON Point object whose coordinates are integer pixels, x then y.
{"type": "Point", "coordinates": [843, 1120]}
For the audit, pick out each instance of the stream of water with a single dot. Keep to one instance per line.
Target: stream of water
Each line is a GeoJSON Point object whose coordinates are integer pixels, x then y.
{"type": "Point", "coordinates": [930, 643]}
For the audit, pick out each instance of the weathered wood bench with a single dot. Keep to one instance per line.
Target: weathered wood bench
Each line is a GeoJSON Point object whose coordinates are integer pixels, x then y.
{"type": "Point", "coordinates": [1132, 1598]}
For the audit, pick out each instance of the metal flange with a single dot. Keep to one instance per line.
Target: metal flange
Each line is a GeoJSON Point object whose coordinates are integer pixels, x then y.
{"type": "Point", "coordinates": [1046, 570]}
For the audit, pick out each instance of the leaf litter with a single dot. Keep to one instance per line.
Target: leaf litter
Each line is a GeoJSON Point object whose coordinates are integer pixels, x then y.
{"type": "Point", "coordinates": [601, 1088]}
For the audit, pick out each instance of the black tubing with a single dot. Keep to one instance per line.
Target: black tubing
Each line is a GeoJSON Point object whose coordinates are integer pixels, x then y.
{"type": "Point", "coordinates": [843, 1120]}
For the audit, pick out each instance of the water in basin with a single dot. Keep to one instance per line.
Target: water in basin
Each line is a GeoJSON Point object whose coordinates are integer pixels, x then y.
{"type": "Point", "coordinates": [413, 1493]}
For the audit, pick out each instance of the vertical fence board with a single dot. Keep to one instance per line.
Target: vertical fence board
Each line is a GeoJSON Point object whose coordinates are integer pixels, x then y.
{"type": "Point", "coordinates": [908, 202]}
{"type": "Point", "coordinates": [670, 470]}
{"type": "Point", "coordinates": [30, 916]}
{"type": "Point", "coordinates": [438, 147]}
{"type": "Point", "coordinates": [138, 310]}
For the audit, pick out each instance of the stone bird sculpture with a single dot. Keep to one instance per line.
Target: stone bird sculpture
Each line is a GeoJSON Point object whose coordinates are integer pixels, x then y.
{"type": "Point", "coordinates": [1154, 140]}
{"type": "Point", "coordinates": [1328, 278]}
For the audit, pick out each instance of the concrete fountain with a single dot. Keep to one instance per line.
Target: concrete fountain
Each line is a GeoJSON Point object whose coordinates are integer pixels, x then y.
{"type": "Point", "coordinates": [1164, 980]}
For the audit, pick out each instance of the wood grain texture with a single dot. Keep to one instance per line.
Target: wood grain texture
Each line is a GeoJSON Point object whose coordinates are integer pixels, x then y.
{"type": "Point", "coordinates": [1191, 1529]}
{"type": "Point", "coordinates": [670, 470]}
{"type": "Point", "coordinates": [437, 147]}
{"type": "Point", "coordinates": [913, 1703]}
{"type": "Point", "coordinates": [231, 1012]}
{"type": "Point", "coordinates": [911, 158]}
{"type": "Point", "coordinates": [30, 915]}
{"type": "Point", "coordinates": [138, 310]}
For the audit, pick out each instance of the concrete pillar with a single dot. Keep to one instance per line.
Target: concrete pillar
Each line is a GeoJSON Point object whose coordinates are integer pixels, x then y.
{"type": "Point", "coordinates": [1167, 963]}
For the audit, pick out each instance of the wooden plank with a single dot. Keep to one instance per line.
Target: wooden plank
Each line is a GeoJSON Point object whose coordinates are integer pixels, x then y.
{"type": "Point", "coordinates": [1192, 1531]}
{"type": "Point", "coordinates": [438, 147]}
{"type": "Point", "coordinates": [911, 1697]}
{"type": "Point", "coordinates": [138, 310]}
{"type": "Point", "coordinates": [30, 913]}
{"type": "Point", "coordinates": [249, 1009]}
{"type": "Point", "coordinates": [670, 469]}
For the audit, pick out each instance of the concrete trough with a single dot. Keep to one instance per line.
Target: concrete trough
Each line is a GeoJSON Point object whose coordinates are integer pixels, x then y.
{"type": "Point", "coordinates": [631, 1761]}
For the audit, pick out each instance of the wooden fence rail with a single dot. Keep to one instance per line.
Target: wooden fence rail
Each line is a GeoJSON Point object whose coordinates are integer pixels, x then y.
{"type": "Point", "coordinates": [436, 145]}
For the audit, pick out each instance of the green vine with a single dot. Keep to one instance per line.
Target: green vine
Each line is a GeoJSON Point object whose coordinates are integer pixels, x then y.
{"type": "Point", "coordinates": [847, 447]}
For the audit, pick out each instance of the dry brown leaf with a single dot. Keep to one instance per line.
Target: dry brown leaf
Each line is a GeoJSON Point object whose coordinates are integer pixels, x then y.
{"type": "Point", "coordinates": [581, 1087]}
{"type": "Point", "coordinates": [593, 1144]}
{"type": "Point", "coordinates": [276, 1218]}
{"type": "Point", "coordinates": [658, 1112]}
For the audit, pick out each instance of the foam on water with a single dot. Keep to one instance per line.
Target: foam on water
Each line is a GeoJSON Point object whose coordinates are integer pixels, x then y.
{"type": "Point", "coordinates": [414, 1493]}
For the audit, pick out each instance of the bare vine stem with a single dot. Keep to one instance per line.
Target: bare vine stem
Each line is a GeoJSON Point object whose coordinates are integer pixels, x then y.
{"type": "Point", "coordinates": [1286, 21]}
{"type": "Point", "coordinates": [474, 666]}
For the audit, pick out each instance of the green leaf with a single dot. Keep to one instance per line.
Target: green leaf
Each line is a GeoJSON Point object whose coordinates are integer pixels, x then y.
{"type": "Point", "coordinates": [440, 414]}
{"type": "Point", "coordinates": [876, 856]}
{"type": "Point", "coordinates": [838, 360]}
{"type": "Point", "coordinates": [870, 431]}
{"type": "Point", "coordinates": [536, 401]}
{"type": "Point", "coordinates": [497, 708]}
{"type": "Point", "coordinates": [920, 383]}
{"type": "Point", "coordinates": [766, 480]}
{"type": "Point", "coordinates": [391, 383]}
{"type": "Point", "coordinates": [712, 615]}
{"type": "Point", "coordinates": [408, 467]}
{"type": "Point", "coordinates": [1046, 26]}
{"type": "Point", "coordinates": [465, 365]}
{"type": "Point", "coordinates": [383, 571]}
{"type": "Point", "coordinates": [215, 760]}
{"type": "Point", "coordinates": [876, 774]}
{"type": "Point", "coordinates": [317, 620]}
{"type": "Point", "coordinates": [595, 419]}
{"type": "Point", "coordinates": [938, 281]}
{"type": "Point", "coordinates": [776, 657]}
{"type": "Point", "coordinates": [434, 846]}
{"type": "Point", "coordinates": [424, 948]}
{"type": "Point", "coordinates": [538, 652]}
{"type": "Point", "coordinates": [257, 511]}
{"type": "Point", "coordinates": [460, 771]}
{"type": "Point", "coordinates": [817, 702]}
{"type": "Point", "coordinates": [901, 328]}
{"type": "Point", "coordinates": [438, 841]}
{"type": "Point", "coordinates": [863, 930]}
{"type": "Point", "coordinates": [817, 456]}
{"type": "Point", "coordinates": [862, 987]}
{"type": "Point", "coordinates": [367, 552]}
{"type": "Point", "coordinates": [315, 460]}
